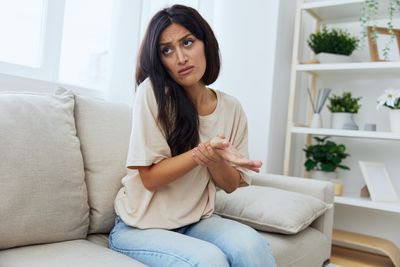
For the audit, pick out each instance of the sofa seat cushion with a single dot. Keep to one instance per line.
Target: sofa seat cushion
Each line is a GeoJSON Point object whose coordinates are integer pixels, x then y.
{"type": "Point", "coordinates": [77, 253]}
{"type": "Point", "coordinates": [308, 248]}
{"type": "Point", "coordinates": [99, 239]}
{"type": "Point", "coordinates": [43, 196]}
{"type": "Point", "coordinates": [270, 209]}
{"type": "Point", "coordinates": [104, 129]}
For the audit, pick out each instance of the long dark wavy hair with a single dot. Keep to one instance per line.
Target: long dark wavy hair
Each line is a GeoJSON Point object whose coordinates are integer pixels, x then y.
{"type": "Point", "coordinates": [177, 115]}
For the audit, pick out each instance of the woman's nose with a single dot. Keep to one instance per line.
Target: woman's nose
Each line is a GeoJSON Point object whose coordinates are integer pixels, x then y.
{"type": "Point", "coordinates": [180, 56]}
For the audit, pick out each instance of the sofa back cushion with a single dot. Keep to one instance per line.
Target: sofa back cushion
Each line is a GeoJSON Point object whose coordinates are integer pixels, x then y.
{"type": "Point", "coordinates": [43, 196]}
{"type": "Point", "coordinates": [104, 130]}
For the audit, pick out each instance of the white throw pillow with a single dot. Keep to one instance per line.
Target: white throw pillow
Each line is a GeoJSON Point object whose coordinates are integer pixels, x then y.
{"type": "Point", "coordinates": [270, 209]}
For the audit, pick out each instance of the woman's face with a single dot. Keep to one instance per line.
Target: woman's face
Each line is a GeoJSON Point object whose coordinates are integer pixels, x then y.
{"type": "Point", "coordinates": [183, 55]}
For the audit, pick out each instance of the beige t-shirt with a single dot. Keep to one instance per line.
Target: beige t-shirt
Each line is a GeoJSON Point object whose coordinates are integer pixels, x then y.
{"type": "Point", "coordinates": [189, 198]}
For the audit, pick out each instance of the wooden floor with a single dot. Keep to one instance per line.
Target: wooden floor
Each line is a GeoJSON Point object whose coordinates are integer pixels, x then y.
{"type": "Point", "coordinates": [354, 258]}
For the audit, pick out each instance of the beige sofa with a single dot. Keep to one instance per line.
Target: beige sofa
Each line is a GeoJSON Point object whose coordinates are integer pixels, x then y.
{"type": "Point", "coordinates": [62, 159]}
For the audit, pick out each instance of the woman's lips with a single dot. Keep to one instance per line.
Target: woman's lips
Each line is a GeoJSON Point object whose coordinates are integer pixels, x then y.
{"type": "Point", "coordinates": [185, 71]}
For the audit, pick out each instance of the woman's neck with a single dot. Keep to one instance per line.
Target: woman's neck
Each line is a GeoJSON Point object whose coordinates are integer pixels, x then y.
{"type": "Point", "coordinates": [198, 94]}
{"type": "Point", "coordinates": [203, 99]}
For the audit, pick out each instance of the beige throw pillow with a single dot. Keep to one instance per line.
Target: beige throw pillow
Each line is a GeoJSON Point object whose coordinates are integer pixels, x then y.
{"type": "Point", "coordinates": [270, 209]}
{"type": "Point", "coordinates": [104, 129]}
{"type": "Point", "coordinates": [43, 194]}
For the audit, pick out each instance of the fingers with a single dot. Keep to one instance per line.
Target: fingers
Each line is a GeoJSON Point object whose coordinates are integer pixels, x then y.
{"type": "Point", "coordinates": [247, 162]}
{"type": "Point", "coordinates": [221, 135]}
{"type": "Point", "coordinates": [218, 142]}
{"type": "Point", "coordinates": [205, 155]}
{"type": "Point", "coordinates": [197, 159]}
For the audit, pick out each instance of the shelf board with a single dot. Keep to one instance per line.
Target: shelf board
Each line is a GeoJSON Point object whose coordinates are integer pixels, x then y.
{"type": "Point", "coordinates": [347, 133]}
{"type": "Point", "coordinates": [368, 203]}
{"type": "Point", "coordinates": [354, 68]}
{"type": "Point", "coordinates": [341, 10]}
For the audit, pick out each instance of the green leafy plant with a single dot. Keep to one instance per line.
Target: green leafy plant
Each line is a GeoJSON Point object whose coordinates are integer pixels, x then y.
{"type": "Point", "coordinates": [334, 41]}
{"type": "Point", "coordinates": [369, 16]}
{"type": "Point", "coordinates": [325, 155]}
{"type": "Point", "coordinates": [344, 103]}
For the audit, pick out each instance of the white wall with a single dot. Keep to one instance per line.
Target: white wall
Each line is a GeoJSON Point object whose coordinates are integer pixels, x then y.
{"type": "Point", "coordinates": [280, 87]}
{"type": "Point", "coordinates": [124, 45]}
{"type": "Point", "coordinates": [248, 35]}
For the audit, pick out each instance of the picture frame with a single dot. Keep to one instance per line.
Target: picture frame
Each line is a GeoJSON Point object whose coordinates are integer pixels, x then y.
{"type": "Point", "coordinates": [383, 37]}
{"type": "Point", "coordinates": [380, 185]}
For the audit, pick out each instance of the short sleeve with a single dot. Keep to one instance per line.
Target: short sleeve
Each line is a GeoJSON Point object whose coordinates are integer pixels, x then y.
{"type": "Point", "coordinates": [147, 142]}
{"type": "Point", "coordinates": [239, 139]}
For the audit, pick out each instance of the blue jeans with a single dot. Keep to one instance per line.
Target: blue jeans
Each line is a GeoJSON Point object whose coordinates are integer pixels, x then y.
{"type": "Point", "coordinates": [214, 241]}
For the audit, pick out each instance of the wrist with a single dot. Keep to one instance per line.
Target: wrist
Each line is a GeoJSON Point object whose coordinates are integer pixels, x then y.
{"type": "Point", "coordinates": [193, 157]}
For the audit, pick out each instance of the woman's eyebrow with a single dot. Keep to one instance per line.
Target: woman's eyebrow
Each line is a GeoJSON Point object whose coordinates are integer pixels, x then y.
{"type": "Point", "coordinates": [167, 43]}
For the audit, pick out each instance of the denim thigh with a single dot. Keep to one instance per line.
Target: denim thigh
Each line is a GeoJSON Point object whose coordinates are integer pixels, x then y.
{"type": "Point", "coordinates": [158, 247]}
{"type": "Point", "coordinates": [242, 245]}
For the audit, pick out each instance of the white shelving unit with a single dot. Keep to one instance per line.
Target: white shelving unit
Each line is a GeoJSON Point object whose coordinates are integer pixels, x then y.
{"type": "Point", "coordinates": [346, 133]}
{"type": "Point", "coordinates": [354, 69]}
{"type": "Point", "coordinates": [367, 203]}
{"type": "Point", "coordinates": [327, 12]}
{"type": "Point", "coordinates": [331, 11]}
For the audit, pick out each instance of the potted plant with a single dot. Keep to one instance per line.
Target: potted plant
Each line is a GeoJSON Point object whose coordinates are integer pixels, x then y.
{"type": "Point", "coordinates": [391, 100]}
{"type": "Point", "coordinates": [323, 159]}
{"type": "Point", "coordinates": [334, 45]}
{"type": "Point", "coordinates": [343, 107]}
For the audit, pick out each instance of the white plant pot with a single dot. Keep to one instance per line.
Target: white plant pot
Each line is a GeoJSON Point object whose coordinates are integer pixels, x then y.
{"type": "Point", "coordinates": [326, 176]}
{"type": "Point", "coordinates": [394, 118]}
{"type": "Point", "coordinates": [343, 120]}
{"type": "Point", "coordinates": [332, 58]}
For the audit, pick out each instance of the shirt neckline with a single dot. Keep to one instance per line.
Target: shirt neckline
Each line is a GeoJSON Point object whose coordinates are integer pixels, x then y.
{"type": "Point", "coordinates": [212, 114]}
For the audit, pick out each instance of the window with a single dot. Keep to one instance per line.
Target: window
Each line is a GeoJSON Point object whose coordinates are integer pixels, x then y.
{"type": "Point", "coordinates": [85, 43]}
{"type": "Point", "coordinates": [63, 41]}
{"type": "Point", "coordinates": [21, 31]}
{"type": "Point", "coordinates": [88, 44]}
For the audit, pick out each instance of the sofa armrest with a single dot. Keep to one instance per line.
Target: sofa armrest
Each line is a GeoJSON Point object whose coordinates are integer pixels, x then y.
{"type": "Point", "coordinates": [316, 188]}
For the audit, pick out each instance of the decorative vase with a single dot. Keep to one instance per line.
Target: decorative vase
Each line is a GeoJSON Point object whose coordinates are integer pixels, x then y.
{"type": "Point", "coordinates": [316, 121]}
{"type": "Point", "coordinates": [394, 118]}
{"type": "Point", "coordinates": [343, 120]}
{"type": "Point", "coordinates": [325, 176]}
{"type": "Point", "coordinates": [332, 58]}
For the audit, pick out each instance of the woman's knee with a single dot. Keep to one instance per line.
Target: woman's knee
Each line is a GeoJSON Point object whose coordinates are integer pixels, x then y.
{"type": "Point", "coordinates": [249, 248]}
{"type": "Point", "coordinates": [211, 256]}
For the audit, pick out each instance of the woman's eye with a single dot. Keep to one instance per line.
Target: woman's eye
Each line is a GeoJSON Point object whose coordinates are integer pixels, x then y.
{"type": "Point", "coordinates": [187, 42]}
{"type": "Point", "coordinates": [166, 50]}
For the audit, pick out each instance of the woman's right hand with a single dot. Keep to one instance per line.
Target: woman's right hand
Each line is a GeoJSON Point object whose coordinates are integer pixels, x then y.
{"type": "Point", "coordinates": [229, 153]}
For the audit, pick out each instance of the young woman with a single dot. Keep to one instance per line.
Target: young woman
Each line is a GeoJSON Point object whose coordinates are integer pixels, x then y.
{"type": "Point", "coordinates": [187, 139]}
